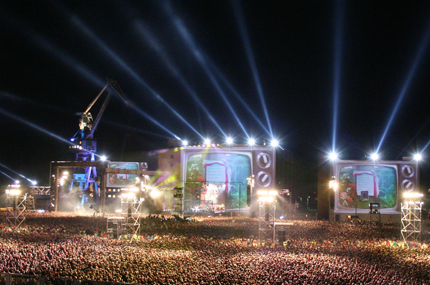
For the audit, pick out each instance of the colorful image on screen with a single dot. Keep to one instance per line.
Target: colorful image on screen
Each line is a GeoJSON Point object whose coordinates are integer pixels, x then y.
{"type": "Point", "coordinates": [218, 180]}
{"type": "Point", "coordinates": [360, 185]}
{"type": "Point", "coordinates": [122, 180]}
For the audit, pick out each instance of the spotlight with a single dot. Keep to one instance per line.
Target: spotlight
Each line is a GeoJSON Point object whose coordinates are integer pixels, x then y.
{"type": "Point", "coordinates": [103, 158]}
{"type": "Point", "coordinates": [251, 142]}
{"type": "Point", "coordinates": [333, 156]}
{"type": "Point", "coordinates": [229, 140]}
{"type": "Point", "coordinates": [418, 156]}
{"type": "Point", "coordinates": [33, 182]}
{"type": "Point", "coordinates": [184, 142]}
{"type": "Point", "coordinates": [207, 141]}
{"type": "Point", "coordinates": [374, 156]}
{"type": "Point", "coordinates": [274, 143]}
{"type": "Point", "coordinates": [16, 181]}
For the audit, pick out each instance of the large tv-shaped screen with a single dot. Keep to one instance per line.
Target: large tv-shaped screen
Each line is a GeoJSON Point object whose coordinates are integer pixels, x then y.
{"type": "Point", "coordinates": [216, 180]}
{"type": "Point", "coordinates": [362, 183]}
{"type": "Point", "coordinates": [122, 180]}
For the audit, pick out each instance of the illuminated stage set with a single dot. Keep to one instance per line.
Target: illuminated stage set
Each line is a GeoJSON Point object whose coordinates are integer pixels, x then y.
{"type": "Point", "coordinates": [215, 178]}
{"type": "Point", "coordinates": [371, 190]}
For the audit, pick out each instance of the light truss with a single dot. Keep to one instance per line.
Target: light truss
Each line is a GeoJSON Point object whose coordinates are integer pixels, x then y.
{"type": "Point", "coordinates": [266, 221]}
{"type": "Point", "coordinates": [130, 212]}
{"type": "Point", "coordinates": [411, 222]}
{"type": "Point", "coordinates": [16, 206]}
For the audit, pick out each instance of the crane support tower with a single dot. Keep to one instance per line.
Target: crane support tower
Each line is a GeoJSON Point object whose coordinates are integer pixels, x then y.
{"type": "Point", "coordinates": [86, 145]}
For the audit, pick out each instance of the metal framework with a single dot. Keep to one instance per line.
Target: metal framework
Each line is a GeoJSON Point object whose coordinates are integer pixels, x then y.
{"type": "Point", "coordinates": [266, 221]}
{"type": "Point", "coordinates": [411, 222]}
{"type": "Point", "coordinates": [130, 211]}
{"type": "Point", "coordinates": [39, 190]}
{"type": "Point", "coordinates": [178, 202]}
{"type": "Point", "coordinates": [16, 206]}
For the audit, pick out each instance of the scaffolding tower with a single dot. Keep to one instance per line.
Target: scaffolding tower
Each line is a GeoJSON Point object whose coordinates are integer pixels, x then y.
{"type": "Point", "coordinates": [411, 218]}
{"type": "Point", "coordinates": [130, 213]}
{"type": "Point", "coordinates": [16, 206]}
{"type": "Point", "coordinates": [266, 221]}
{"type": "Point", "coordinates": [178, 202]}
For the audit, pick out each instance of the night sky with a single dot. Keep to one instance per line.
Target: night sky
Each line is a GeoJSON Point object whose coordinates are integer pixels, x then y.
{"type": "Point", "coordinates": [293, 65]}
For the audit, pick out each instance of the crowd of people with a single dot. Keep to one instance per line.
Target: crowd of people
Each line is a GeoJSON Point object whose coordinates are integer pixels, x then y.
{"type": "Point", "coordinates": [212, 250]}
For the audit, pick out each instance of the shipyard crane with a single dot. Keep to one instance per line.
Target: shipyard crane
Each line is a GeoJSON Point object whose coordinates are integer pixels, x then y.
{"type": "Point", "coordinates": [86, 145]}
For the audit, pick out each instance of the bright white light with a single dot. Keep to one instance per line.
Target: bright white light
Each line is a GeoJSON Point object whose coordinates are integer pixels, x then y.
{"type": "Point", "coordinates": [33, 182]}
{"type": "Point", "coordinates": [14, 192]}
{"type": "Point", "coordinates": [103, 158]}
{"type": "Point", "coordinates": [118, 211]}
{"type": "Point", "coordinates": [65, 173]}
{"type": "Point", "coordinates": [413, 195]}
{"type": "Point", "coordinates": [333, 185]}
{"type": "Point", "coordinates": [128, 195]}
{"type": "Point", "coordinates": [251, 142]}
{"type": "Point", "coordinates": [333, 156]}
{"type": "Point", "coordinates": [274, 143]}
{"type": "Point", "coordinates": [133, 189]}
{"type": "Point", "coordinates": [207, 141]}
{"type": "Point", "coordinates": [229, 140]}
{"type": "Point", "coordinates": [418, 156]}
{"type": "Point", "coordinates": [267, 192]}
{"type": "Point", "coordinates": [267, 199]}
{"type": "Point", "coordinates": [374, 156]}
{"type": "Point", "coordinates": [155, 193]}
{"type": "Point", "coordinates": [16, 181]}
{"type": "Point", "coordinates": [185, 142]}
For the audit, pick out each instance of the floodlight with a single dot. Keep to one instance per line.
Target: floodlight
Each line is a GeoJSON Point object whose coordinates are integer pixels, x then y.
{"type": "Point", "coordinates": [333, 156]}
{"type": "Point", "coordinates": [418, 156]}
{"type": "Point", "coordinates": [133, 189]}
{"type": "Point", "coordinates": [274, 143]}
{"type": "Point", "coordinates": [34, 182]}
{"type": "Point", "coordinates": [251, 141]}
{"type": "Point", "coordinates": [184, 142]}
{"type": "Point", "coordinates": [374, 156]}
{"type": "Point", "coordinates": [16, 181]}
{"type": "Point", "coordinates": [103, 158]}
{"type": "Point", "coordinates": [14, 192]}
{"type": "Point", "coordinates": [413, 195]}
{"type": "Point", "coordinates": [229, 140]}
{"type": "Point", "coordinates": [128, 195]}
{"type": "Point", "coordinates": [267, 199]}
{"type": "Point", "coordinates": [65, 173]}
{"type": "Point", "coordinates": [333, 183]}
{"type": "Point", "coordinates": [155, 193]}
{"type": "Point", "coordinates": [207, 141]}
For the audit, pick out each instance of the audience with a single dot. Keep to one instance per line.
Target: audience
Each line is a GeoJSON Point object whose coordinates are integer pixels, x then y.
{"type": "Point", "coordinates": [211, 250]}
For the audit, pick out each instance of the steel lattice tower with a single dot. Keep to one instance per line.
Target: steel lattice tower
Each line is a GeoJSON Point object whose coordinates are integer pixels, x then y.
{"type": "Point", "coordinates": [411, 220]}
{"type": "Point", "coordinates": [266, 220]}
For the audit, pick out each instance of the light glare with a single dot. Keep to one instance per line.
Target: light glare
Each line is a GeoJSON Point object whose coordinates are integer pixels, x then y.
{"type": "Point", "coordinates": [374, 156]}
{"type": "Point", "coordinates": [333, 156]}
{"type": "Point", "coordinates": [418, 156]}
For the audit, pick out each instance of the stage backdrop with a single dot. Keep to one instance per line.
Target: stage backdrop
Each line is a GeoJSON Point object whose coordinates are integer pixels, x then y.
{"type": "Point", "coordinates": [363, 182]}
